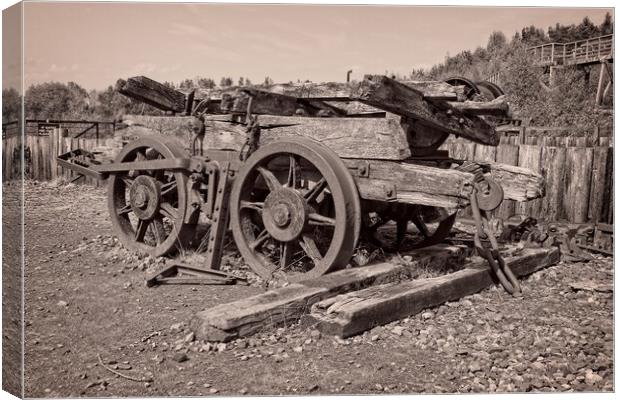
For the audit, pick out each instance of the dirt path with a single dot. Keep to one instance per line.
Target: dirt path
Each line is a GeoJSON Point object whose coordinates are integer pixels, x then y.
{"type": "Point", "coordinates": [85, 296]}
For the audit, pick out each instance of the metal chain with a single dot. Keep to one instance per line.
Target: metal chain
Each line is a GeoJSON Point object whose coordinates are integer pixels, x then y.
{"type": "Point", "coordinates": [502, 271]}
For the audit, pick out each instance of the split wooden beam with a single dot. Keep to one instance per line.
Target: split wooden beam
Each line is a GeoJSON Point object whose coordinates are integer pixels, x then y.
{"type": "Point", "coordinates": [152, 93]}
{"type": "Point", "coordinates": [390, 95]}
{"type": "Point", "coordinates": [377, 138]}
{"type": "Point", "coordinates": [518, 183]}
{"type": "Point", "coordinates": [496, 107]}
{"type": "Point", "coordinates": [288, 304]}
{"type": "Point", "coordinates": [355, 312]}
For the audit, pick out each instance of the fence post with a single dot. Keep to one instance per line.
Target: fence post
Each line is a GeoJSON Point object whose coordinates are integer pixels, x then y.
{"type": "Point", "coordinates": [522, 134]}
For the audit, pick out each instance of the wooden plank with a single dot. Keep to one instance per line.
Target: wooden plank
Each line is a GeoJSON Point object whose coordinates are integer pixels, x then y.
{"type": "Point", "coordinates": [462, 150]}
{"type": "Point", "coordinates": [497, 107]}
{"type": "Point", "coordinates": [554, 171]}
{"type": "Point", "coordinates": [529, 158]}
{"type": "Point", "coordinates": [506, 154]}
{"type": "Point", "coordinates": [372, 138]}
{"type": "Point", "coordinates": [356, 312]}
{"type": "Point", "coordinates": [519, 183]}
{"type": "Point", "coordinates": [577, 183]}
{"type": "Point", "coordinates": [484, 153]}
{"type": "Point", "coordinates": [390, 95]}
{"type": "Point", "coordinates": [602, 174]}
{"type": "Point", "coordinates": [153, 93]}
{"type": "Point", "coordinates": [411, 183]}
{"type": "Point", "coordinates": [288, 304]}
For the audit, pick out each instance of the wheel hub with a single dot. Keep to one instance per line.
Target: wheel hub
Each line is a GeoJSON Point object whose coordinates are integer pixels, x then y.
{"type": "Point", "coordinates": [285, 214]}
{"type": "Point", "coordinates": [144, 197]}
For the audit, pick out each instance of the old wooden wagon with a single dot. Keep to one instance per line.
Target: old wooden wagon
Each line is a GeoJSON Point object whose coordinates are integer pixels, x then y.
{"type": "Point", "coordinates": [300, 171]}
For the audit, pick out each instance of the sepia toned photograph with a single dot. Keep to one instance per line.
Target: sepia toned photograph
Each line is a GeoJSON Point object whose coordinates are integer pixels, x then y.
{"type": "Point", "coordinates": [220, 199]}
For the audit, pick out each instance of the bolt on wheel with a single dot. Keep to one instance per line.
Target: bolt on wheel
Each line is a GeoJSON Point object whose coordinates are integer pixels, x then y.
{"type": "Point", "coordinates": [295, 211]}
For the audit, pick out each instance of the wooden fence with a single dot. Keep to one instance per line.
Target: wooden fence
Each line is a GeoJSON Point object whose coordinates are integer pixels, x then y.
{"type": "Point", "coordinates": [40, 155]}
{"type": "Point", "coordinates": [579, 180]}
{"type": "Point", "coordinates": [579, 176]}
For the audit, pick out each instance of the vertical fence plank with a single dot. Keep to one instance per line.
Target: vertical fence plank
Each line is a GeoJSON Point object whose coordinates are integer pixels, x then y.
{"type": "Point", "coordinates": [553, 160]}
{"type": "Point", "coordinates": [507, 154]}
{"type": "Point", "coordinates": [529, 157]}
{"type": "Point", "coordinates": [599, 183]}
{"type": "Point", "coordinates": [577, 193]}
{"type": "Point", "coordinates": [484, 153]}
{"type": "Point", "coordinates": [462, 150]}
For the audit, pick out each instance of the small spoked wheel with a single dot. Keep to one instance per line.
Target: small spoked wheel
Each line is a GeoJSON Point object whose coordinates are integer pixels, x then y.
{"type": "Point", "coordinates": [148, 208]}
{"type": "Point", "coordinates": [295, 211]}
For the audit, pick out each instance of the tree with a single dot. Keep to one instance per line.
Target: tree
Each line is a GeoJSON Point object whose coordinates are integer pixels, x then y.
{"type": "Point", "coordinates": [496, 42]}
{"type": "Point", "coordinates": [226, 82]}
{"type": "Point", "coordinates": [56, 100]}
{"type": "Point", "coordinates": [240, 82]}
{"type": "Point", "coordinates": [248, 82]}
{"type": "Point", "coordinates": [11, 105]}
{"type": "Point", "coordinates": [186, 84]}
{"type": "Point", "coordinates": [268, 81]}
{"type": "Point", "coordinates": [607, 27]}
{"type": "Point", "coordinates": [205, 83]}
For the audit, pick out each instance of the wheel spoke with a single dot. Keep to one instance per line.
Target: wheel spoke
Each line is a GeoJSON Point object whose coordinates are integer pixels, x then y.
{"type": "Point", "coordinates": [168, 211]}
{"type": "Point", "coordinates": [167, 188]}
{"type": "Point", "coordinates": [123, 210]}
{"type": "Point", "coordinates": [316, 190]}
{"type": "Point", "coordinates": [157, 228]}
{"type": "Point", "coordinates": [260, 239]}
{"type": "Point", "coordinates": [270, 179]}
{"type": "Point", "coordinates": [141, 230]}
{"type": "Point", "coordinates": [308, 245]}
{"type": "Point", "coordinates": [293, 178]}
{"type": "Point", "coordinates": [127, 180]}
{"type": "Point", "coordinates": [420, 225]}
{"type": "Point", "coordinates": [252, 205]}
{"type": "Point", "coordinates": [286, 254]}
{"type": "Point", "coordinates": [321, 220]}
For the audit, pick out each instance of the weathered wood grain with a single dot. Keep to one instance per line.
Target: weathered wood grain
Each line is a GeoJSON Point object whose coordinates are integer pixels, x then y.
{"type": "Point", "coordinates": [554, 170]}
{"type": "Point", "coordinates": [153, 93]}
{"type": "Point", "coordinates": [519, 183]}
{"type": "Point", "coordinates": [602, 167]}
{"type": "Point", "coordinates": [497, 107]}
{"type": "Point", "coordinates": [529, 158]}
{"type": "Point", "coordinates": [288, 304]}
{"type": "Point", "coordinates": [577, 183]}
{"type": "Point", "coordinates": [411, 183]}
{"type": "Point", "coordinates": [506, 154]}
{"type": "Point", "coordinates": [393, 96]}
{"type": "Point", "coordinates": [372, 138]}
{"type": "Point", "coordinates": [355, 312]}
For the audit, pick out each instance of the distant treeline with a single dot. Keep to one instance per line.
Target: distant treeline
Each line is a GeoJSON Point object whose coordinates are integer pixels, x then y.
{"type": "Point", "coordinates": [569, 100]}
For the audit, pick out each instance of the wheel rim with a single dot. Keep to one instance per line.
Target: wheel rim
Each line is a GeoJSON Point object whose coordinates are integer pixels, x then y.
{"type": "Point", "coordinates": [148, 208]}
{"type": "Point", "coordinates": [293, 212]}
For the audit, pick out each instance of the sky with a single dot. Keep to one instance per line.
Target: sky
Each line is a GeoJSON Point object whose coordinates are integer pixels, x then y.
{"type": "Point", "coordinates": [95, 44]}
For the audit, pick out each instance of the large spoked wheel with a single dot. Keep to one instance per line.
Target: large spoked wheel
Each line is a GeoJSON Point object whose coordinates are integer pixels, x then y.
{"type": "Point", "coordinates": [295, 211]}
{"type": "Point", "coordinates": [148, 207]}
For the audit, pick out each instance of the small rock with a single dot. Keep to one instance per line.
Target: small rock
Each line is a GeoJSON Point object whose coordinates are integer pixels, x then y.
{"type": "Point", "coordinates": [592, 377]}
{"type": "Point", "coordinates": [189, 337]}
{"type": "Point", "coordinates": [178, 327]}
{"type": "Point", "coordinates": [180, 357]}
{"type": "Point", "coordinates": [398, 330]}
{"type": "Point", "coordinates": [374, 338]}
{"type": "Point", "coordinates": [474, 367]}
{"type": "Point", "coordinates": [221, 347]}
{"type": "Point", "coordinates": [298, 349]}
{"type": "Point", "coordinates": [243, 391]}
{"type": "Point", "coordinates": [315, 334]}
{"type": "Point", "coordinates": [427, 315]}
{"type": "Point", "coordinates": [62, 303]}
{"type": "Point", "coordinates": [213, 390]}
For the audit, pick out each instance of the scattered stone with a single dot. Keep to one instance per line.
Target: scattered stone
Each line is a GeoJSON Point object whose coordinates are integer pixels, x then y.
{"type": "Point", "coordinates": [427, 315]}
{"type": "Point", "coordinates": [62, 303]}
{"type": "Point", "coordinates": [190, 337]}
{"type": "Point", "coordinates": [180, 357]}
{"type": "Point", "coordinates": [298, 349]}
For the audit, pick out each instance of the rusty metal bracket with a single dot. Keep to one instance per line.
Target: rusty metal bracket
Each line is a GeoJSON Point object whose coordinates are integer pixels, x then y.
{"type": "Point", "coordinates": [184, 274]}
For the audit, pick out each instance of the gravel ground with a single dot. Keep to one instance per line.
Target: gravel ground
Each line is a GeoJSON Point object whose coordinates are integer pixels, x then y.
{"type": "Point", "coordinates": [86, 298]}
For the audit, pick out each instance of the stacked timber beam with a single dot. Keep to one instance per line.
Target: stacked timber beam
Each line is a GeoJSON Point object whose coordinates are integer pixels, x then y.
{"type": "Point", "coordinates": [438, 105]}
{"type": "Point", "coordinates": [351, 301]}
